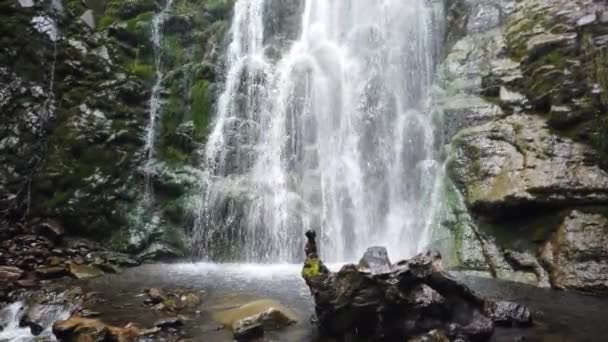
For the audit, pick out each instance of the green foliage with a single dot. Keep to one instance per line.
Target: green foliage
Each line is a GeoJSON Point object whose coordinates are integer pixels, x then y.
{"type": "Point", "coordinates": [141, 24]}
{"type": "Point", "coordinates": [219, 8]}
{"type": "Point", "coordinates": [186, 7]}
{"type": "Point", "coordinates": [119, 241]}
{"type": "Point", "coordinates": [311, 269]}
{"type": "Point", "coordinates": [110, 15]}
{"type": "Point", "coordinates": [173, 155]}
{"type": "Point", "coordinates": [174, 211]}
{"type": "Point", "coordinates": [174, 51]}
{"type": "Point", "coordinates": [75, 6]}
{"type": "Point", "coordinates": [201, 106]}
{"type": "Point", "coordinates": [144, 71]}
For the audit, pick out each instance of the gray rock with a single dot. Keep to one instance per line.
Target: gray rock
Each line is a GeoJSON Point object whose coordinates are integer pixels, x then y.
{"type": "Point", "coordinates": [271, 319]}
{"type": "Point", "coordinates": [38, 317]}
{"type": "Point", "coordinates": [512, 98]}
{"type": "Point", "coordinates": [587, 20]}
{"type": "Point", "coordinates": [26, 3]}
{"type": "Point", "coordinates": [51, 229]}
{"type": "Point", "coordinates": [172, 322]}
{"type": "Point", "coordinates": [577, 254]}
{"type": "Point", "coordinates": [116, 258]}
{"type": "Point", "coordinates": [483, 16]}
{"type": "Point", "coordinates": [102, 52]}
{"type": "Point", "coordinates": [78, 45]}
{"type": "Point", "coordinates": [464, 111]}
{"type": "Point", "coordinates": [375, 260]}
{"type": "Point", "coordinates": [159, 251]}
{"type": "Point", "coordinates": [540, 44]}
{"type": "Point", "coordinates": [508, 313]}
{"type": "Point", "coordinates": [248, 332]}
{"type": "Point", "coordinates": [564, 116]}
{"type": "Point", "coordinates": [88, 18]}
{"type": "Point", "coordinates": [517, 161]}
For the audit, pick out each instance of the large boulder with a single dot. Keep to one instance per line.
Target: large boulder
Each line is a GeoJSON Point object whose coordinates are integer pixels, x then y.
{"type": "Point", "coordinates": [409, 299]}
{"type": "Point", "coordinates": [577, 253]}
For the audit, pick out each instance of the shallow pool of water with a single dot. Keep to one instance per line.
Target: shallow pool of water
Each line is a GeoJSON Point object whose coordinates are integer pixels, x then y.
{"type": "Point", "coordinates": [560, 316]}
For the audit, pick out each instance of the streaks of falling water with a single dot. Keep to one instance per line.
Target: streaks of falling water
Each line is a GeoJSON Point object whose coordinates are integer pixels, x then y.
{"type": "Point", "coordinates": [335, 135]}
{"type": "Point", "coordinates": [155, 97]}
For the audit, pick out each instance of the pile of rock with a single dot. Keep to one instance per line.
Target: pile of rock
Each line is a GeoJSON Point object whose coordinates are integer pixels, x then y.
{"type": "Point", "coordinates": [29, 255]}
{"type": "Point", "coordinates": [171, 301]}
{"type": "Point", "coordinates": [412, 300]}
{"type": "Point", "coordinates": [176, 306]}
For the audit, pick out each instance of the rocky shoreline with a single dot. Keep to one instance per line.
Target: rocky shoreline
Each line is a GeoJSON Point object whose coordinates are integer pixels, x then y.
{"type": "Point", "coordinates": [33, 255]}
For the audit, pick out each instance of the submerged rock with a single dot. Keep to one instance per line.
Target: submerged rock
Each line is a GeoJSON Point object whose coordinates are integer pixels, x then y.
{"type": "Point", "coordinates": [250, 320]}
{"type": "Point", "coordinates": [413, 299]}
{"type": "Point", "coordinates": [248, 332]}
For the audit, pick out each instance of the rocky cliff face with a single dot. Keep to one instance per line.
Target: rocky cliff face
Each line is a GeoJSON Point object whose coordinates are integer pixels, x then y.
{"type": "Point", "coordinates": [525, 96]}
{"type": "Point", "coordinates": [74, 103]}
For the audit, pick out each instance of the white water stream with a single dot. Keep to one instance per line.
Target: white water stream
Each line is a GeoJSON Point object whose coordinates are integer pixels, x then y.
{"type": "Point", "coordinates": [155, 97]}
{"type": "Point", "coordinates": [335, 135]}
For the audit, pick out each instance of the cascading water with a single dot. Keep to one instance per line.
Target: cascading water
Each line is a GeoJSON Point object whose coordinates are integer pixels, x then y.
{"type": "Point", "coordinates": [335, 134]}
{"type": "Point", "coordinates": [155, 97]}
{"type": "Point", "coordinates": [13, 330]}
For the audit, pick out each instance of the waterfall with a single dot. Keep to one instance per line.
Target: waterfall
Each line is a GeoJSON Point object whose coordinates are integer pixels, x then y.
{"type": "Point", "coordinates": [335, 134]}
{"type": "Point", "coordinates": [155, 97]}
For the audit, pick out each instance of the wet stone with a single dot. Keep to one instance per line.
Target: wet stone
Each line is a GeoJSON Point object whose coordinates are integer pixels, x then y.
{"type": "Point", "coordinates": [84, 271]}
{"type": "Point", "coordinates": [51, 272]}
{"type": "Point", "coordinates": [10, 273]}
{"type": "Point", "coordinates": [248, 332]}
{"type": "Point", "coordinates": [172, 322]}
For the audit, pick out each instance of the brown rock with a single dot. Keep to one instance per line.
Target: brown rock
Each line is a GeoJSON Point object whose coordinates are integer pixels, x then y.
{"type": "Point", "coordinates": [190, 300]}
{"type": "Point", "coordinates": [27, 283]}
{"type": "Point", "coordinates": [54, 261]}
{"type": "Point", "coordinates": [51, 272]}
{"type": "Point", "coordinates": [155, 295]}
{"type": "Point", "coordinates": [51, 229]}
{"type": "Point", "coordinates": [78, 260]}
{"type": "Point", "coordinates": [84, 271]}
{"type": "Point", "coordinates": [9, 273]}
{"type": "Point", "coordinates": [79, 329]}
